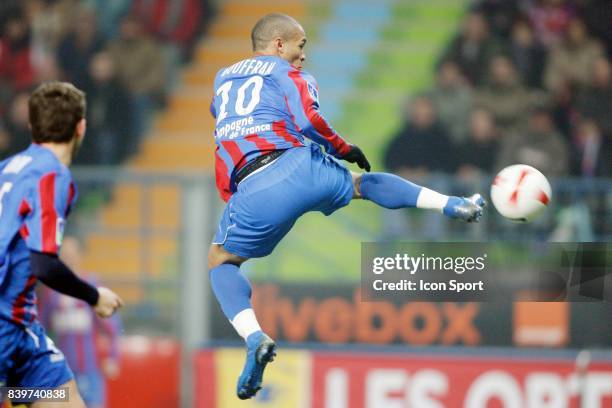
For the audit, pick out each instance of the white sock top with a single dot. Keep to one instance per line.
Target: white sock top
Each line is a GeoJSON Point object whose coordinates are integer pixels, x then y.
{"type": "Point", "coordinates": [245, 323]}
{"type": "Point", "coordinates": [432, 200]}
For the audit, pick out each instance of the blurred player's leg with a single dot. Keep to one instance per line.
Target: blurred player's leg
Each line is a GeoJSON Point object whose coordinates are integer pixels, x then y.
{"type": "Point", "coordinates": [393, 192]}
{"type": "Point", "coordinates": [75, 400]}
{"type": "Point", "coordinates": [233, 292]}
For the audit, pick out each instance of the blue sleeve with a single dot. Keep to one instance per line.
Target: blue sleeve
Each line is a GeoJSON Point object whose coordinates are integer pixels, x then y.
{"type": "Point", "coordinates": [213, 109]}
{"type": "Point", "coordinates": [302, 97]}
{"type": "Point", "coordinates": [47, 209]}
{"type": "Point", "coordinates": [213, 112]}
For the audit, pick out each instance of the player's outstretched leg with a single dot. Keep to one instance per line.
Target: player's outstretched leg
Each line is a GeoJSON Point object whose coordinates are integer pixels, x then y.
{"type": "Point", "coordinates": [233, 292]}
{"type": "Point", "coordinates": [391, 191]}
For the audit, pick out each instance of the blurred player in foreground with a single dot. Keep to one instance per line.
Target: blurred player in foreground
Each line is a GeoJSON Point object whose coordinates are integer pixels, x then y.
{"type": "Point", "coordinates": [269, 175]}
{"type": "Point", "coordinates": [36, 195]}
{"type": "Point", "coordinates": [78, 332]}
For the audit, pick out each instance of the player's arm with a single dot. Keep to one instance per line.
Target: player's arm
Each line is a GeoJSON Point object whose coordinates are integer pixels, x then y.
{"type": "Point", "coordinates": [45, 210]}
{"type": "Point", "coordinates": [213, 111]}
{"type": "Point", "coordinates": [303, 103]}
{"type": "Point", "coordinates": [54, 273]}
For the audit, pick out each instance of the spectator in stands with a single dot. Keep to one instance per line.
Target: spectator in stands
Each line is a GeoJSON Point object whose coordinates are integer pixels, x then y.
{"type": "Point", "coordinates": [527, 54]}
{"type": "Point", "coordinates": [47, 69]}
{"type": "Point", "coordinates": [140, 69]}
{"type": "Point", "coordinates": [504, 95]}
{"type": "Point", "coordinates": [50, 22]}
{"type": "Point", "coordinates": [78, 47]}
{"type": "Point", "coordinates": [109, 116]}
{"type": "Point", "coordinates": [595, 102]}
{"type": "Point", "coordinates": [540, 146]}
{"type": "Point", "coordinates": [570, 62]}
{"type": "Point", "coordinates": [17, 123]}
{"type": "Point", "coordinates": [473, 48]}
{"type": "Point", "coordinates": [500, 15]}
{"type": "Point", "coordinates": [8, 8]}
{"type": "Point", "coordinates": [16, 71]}
{"type": "Point", "coordinates": [550, 19]}
{"type": "Point", "coordinates": [597, 15]}
{"type": "Point", "coordinates": [590, 151]}
{"type": "Point", "coordinates": [476, 157]}
{"type": "Point", "coordinates": [175, 22]}
{"type": "Point", "coordinates": [452, 100]}
{"type": "Point", "coordinates": [422, 145]}
{"type": "Point", "coordinates": [5, 145]}
{"type": "Point", "coordinates": [110, 13]}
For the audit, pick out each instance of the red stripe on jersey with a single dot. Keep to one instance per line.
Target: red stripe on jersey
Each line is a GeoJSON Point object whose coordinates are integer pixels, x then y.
{"type": "Point", "coordinates": [233, 150]}
{"type": "Point", "coordinates": [24, 208]}
{"type": "Point", "coordinates": [24, 231]}
{"type": "Point", "coordinates": [315, 118]}
{"type": "Point", "coordinates": [280, 128]}
{"type": "Point", "coordinates": [221, 177]}
{"type": "Point", "coordinates": [261, 143]}
{"type": "Point", "coordinates": [18, 312]}
{"type": "Point", "coordinates": [292, 115]}
{"type": "Point", "coordinates": [49, 215]}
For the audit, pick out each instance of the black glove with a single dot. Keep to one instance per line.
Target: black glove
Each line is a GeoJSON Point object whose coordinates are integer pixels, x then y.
{"type": "Point", "coordinates": [355, 155]}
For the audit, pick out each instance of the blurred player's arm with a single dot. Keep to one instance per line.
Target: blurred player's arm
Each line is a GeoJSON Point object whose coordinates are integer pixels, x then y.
{"type": "Point", "coordinates": [302, 96]}
{"type": "Point", "coordinates": [51, 271]}
{"type": "Point", "coordinates": [111, 329]}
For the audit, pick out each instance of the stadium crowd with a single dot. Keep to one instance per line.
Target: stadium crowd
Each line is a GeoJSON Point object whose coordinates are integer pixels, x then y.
{"type": "Point", "coordinates": [523, 82]}
{"type": "Point", "coordinates": [123, 53]}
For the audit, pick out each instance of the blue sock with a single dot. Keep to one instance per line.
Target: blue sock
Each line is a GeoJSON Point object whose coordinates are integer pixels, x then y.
{"type": "Point", "coordinates": [389, 190]}
{"type": "Point", "coordinates": [232, 289]}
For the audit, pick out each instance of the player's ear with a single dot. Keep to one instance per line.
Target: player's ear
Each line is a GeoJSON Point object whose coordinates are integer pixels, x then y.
{"type": "Point", "coordinates": [280, 45]}
{"type": "Point", "coordinates": [81, 127]}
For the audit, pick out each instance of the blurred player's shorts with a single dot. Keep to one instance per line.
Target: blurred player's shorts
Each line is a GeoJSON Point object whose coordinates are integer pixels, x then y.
{"type": "Point", "coordinates": [268, 202]}
{"type": "Point", "coordinates": [39, 362]}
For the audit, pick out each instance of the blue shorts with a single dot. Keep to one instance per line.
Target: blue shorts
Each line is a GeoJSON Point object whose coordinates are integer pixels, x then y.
{"type": "Point", "coordinates": [268, 202]}
{"type": "Point", "coordinates": [28, 358]}
{"type": "Point", "coordinates": [92, 388]}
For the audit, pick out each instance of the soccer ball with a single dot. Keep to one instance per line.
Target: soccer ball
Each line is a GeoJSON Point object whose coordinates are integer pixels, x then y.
{"type": "Point", "coordinates": [520, 192]}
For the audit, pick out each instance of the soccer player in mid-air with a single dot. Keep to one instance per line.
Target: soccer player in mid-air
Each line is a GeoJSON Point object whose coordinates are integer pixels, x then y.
{"type": "Point", "coordinates": [36, 195]}
{"type": "Point", "coordinates": [265, 106]}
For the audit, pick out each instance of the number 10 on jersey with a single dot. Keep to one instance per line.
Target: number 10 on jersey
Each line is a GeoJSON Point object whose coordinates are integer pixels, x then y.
{"type": "Point", "coordinates": [239, 108]}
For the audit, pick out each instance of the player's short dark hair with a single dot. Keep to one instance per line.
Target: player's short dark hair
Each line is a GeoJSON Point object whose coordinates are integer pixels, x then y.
{"type": "Point", "coordinates": [271, 26]}
{"type": "Point", "coordinates": [55, 109]}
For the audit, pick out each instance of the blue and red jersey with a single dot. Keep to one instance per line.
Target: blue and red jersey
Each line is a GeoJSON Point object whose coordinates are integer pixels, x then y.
{"type": "Point", "coordinates": [263, 104]}
{"type": "Point", "coordinates": [77, 330]}
{"type": "Point", "coordinates": [36, 194]}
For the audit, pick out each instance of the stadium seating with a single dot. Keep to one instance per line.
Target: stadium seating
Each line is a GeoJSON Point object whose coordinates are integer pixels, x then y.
{"type": "Point", "coordinates": [180, 141]}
